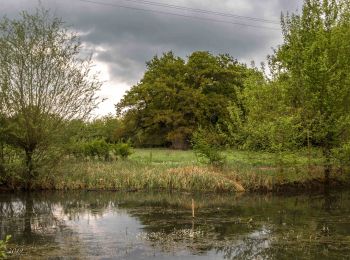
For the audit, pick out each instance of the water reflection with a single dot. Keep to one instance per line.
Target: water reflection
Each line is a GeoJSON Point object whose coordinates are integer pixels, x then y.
{"type": "Point", "coordinates": [160, 225]}
{"type": "Point", "coordinates": [28, 219]}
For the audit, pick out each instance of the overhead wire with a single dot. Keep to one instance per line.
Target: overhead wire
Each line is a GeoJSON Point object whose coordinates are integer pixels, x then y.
{"type": "Point", "coordinates": [203, 11]}
{"type": "Point", "coordinates": [178, 14]}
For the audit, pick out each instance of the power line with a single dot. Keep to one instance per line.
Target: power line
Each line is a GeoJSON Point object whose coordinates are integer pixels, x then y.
{"type": "Point", "coordinates": [203, 11]}
{"type": "Point", "coordinates": [177, 14]}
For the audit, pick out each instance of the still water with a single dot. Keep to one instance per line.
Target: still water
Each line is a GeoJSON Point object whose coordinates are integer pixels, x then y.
{"type": "Point", "coordinates": [110, 225]}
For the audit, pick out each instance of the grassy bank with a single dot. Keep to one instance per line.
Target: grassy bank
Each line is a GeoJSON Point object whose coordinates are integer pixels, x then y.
{"type": "Point", "coordinates": [154, 169]}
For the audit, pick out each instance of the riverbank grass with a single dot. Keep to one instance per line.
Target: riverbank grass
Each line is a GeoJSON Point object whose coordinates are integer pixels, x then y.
{"type": "Point", "coordinates": [163, 169]}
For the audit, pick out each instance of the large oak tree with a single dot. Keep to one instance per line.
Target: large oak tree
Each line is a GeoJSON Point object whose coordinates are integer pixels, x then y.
{"type": "Point", "coordinates": [176, 96]}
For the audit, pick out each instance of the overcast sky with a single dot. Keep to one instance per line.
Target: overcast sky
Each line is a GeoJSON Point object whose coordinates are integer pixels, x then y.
{"type": "Point", "coordinates": [123, 35]}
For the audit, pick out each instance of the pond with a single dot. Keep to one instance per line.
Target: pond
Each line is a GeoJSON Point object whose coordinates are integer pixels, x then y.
{"type": "Point", "coordinates": [115, 225]}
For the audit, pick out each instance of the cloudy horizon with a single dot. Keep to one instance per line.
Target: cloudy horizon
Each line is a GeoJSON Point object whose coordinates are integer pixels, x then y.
{"type": "Point", "coordinates": [124, 34]}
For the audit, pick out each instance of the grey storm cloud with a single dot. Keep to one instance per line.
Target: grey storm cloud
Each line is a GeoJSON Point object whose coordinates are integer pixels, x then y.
{"type": "Point", "coordinates": [125, 39]}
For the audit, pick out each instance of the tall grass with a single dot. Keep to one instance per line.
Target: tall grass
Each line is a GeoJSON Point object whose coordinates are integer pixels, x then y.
{"type": "Point", "coordinates": [129, 175]}
{"type": "Point", "coordinates": [161, 169]}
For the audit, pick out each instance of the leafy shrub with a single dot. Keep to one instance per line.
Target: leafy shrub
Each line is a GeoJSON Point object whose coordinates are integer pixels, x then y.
{"type": "Point", "coordinates": [123, 150]}
{"type": "Point", "coordinates": [3, 247]}
{"type": "Point", "coordinates": [94, 148]}
{"type": "Point", "coordinates": [97, 148]}
{"type": "Point", "coordinates": [76, 148]}
{"type": "Point", "coordinates": [342, 154]}
{"type": "Point", "coordinates": [11, 165]}
{"type": "Point", "coordinates": [206, 145]}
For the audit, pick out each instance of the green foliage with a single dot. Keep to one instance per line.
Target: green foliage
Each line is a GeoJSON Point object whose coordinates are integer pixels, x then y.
{"type": "Point", "coordinates": [306, 100]}
{"type": "Point", "coordinates": [107, 128]}
{"type": "Point", "coordinates": [44, 82]}
{"type": "Point", "coordinates": [122, 149]}
{"type": "Point", "coordinates": [175, 96]}
{"type": "Point", "coordinates": [3, 247]}
{"type": "Point", "coordinates": [206, 145]}
{"type": "Point", "coordinates": [342, 154]}
{"type": "Point", "coordinates": [263, 121]}
{"type": "Point", "coordinates": [93, 139]}
{"type": "Point", "coordinates": [97, 148]}
{"type": "Point", "coordinates": [11, 165]}
{"type": "Point", "coordinates": [313, 65]}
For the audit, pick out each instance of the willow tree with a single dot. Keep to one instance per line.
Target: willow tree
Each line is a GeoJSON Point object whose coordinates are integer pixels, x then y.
{"type": "Point", "coordinates": [44, 82]}
{"type": "Point", "coordinates": [314, 64]}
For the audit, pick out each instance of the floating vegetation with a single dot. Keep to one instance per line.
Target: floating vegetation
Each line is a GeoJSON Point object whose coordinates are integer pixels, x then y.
{"type": "Point", "coordinates": [150, 225]}
{"type": "Point", "coordinates": [175, 235]}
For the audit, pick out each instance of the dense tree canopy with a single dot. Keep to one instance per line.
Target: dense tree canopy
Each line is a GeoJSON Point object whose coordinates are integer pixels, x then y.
{"type": "Point", "coordinates": [176, 96]}
{"type": "Point", "coordinates": [313, 67]}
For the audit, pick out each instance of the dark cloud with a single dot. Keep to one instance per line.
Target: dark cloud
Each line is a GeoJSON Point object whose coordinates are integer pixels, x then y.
{"type": "Point", "coordinates": [125, 39]}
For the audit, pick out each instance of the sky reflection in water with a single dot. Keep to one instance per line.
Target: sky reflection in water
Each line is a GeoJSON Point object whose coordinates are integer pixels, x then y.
{"type": "Point", "coordinates": [108, 225]}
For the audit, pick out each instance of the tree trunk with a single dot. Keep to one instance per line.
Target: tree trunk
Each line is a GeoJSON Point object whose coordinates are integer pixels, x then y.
{"type": "Point", "coordinates": [28, 215]}
{"type": "Point", "coordinates": [2, 159]}
{"type": "Point", "coordinates": [327, 165]}
{"type": "Point", "coordinates": [308, 151]}
{"type": "Point", "coordinates": [29, 168]}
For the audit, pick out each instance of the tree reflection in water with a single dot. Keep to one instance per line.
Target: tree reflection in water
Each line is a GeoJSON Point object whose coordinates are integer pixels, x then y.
{"type": "Point", "coordinates": [30, 219]}
{"type": "Point", "coordinates": [82, 224]}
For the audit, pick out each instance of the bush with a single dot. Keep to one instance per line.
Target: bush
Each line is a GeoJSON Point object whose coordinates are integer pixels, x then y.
{"type": "Point", "coordinates": [94, 148]}
{"type": "Point", "coordinates": [206, 145]}
{"type": "Point", "coordinates": [76, 148]}
{"type": "Point", "coordinates": [123, 150]}
{"type": "Point", "coordinates": [11, 165]}
{"type": "Point", "coordinates": [100, 149]}
{"type": "Point", "coordinates": [97, 148]}
{"type": "Point", "coordinates": [3, 247]}
{"type": "Point", "coordinates": [342, 154]}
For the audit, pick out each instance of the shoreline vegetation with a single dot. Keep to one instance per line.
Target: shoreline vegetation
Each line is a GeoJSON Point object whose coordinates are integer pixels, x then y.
{"type": "Point", "coordinates": [177, 170]}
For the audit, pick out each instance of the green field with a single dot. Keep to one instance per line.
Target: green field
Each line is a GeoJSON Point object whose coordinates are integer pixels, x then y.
{"type": "Point", "coordinates": [234, 158]}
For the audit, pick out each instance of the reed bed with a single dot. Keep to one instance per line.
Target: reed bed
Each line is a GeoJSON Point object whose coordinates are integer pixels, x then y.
{"type": "Point", "coordinates": [158, 169]}
{"type": "Point", "coordinates": [131, 176]}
